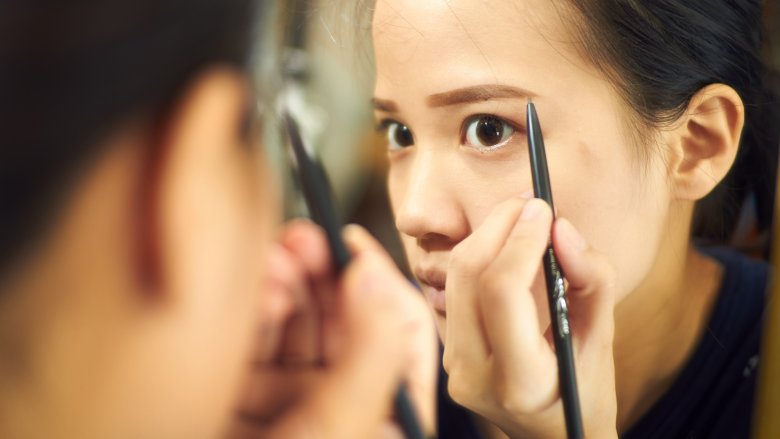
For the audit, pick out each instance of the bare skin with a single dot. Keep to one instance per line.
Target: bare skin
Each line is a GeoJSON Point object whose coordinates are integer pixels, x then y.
{"type": "Point", "coordinates": [180, 306]}
{"type": "Point", "coordinates": [442, 67]}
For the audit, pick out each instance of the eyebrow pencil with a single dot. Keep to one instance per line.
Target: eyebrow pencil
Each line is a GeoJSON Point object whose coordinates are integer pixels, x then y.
{"type": "Point", "coordinates": [556, 294]}
{"type": "Point", "coordinates": [319, 200]}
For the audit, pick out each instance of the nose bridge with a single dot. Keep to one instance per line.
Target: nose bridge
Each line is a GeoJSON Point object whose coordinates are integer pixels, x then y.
{"type": "Point", "coordinates": [429, 205]}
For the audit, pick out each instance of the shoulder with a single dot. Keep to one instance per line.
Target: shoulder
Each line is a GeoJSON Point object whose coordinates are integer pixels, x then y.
{"type": "Point", "coordinates": [744, 272]}
{"type": "Point", "coordinates": [713, 396]}
{"type": "Point", "coordinates": [742, 296]}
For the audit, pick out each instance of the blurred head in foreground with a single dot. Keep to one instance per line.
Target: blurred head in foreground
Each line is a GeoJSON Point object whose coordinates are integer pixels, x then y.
{"type": "Point", "coordinates": [131, 216]}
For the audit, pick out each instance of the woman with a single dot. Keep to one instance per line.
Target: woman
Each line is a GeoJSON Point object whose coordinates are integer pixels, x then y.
{"type": "Point", "coordinates": [145, 289]}
{"type": "Point", "coordinates": [652, 117]}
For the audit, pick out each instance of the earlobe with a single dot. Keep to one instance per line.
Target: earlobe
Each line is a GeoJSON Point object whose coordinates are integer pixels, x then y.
{"type": "Point", "coordinates": [708, 140]}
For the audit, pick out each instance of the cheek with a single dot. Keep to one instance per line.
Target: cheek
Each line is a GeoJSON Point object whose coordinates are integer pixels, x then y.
{"type": "Point", "coordinates": [396, 184]}
{"type": "Point", "coordinates": [620, 207]}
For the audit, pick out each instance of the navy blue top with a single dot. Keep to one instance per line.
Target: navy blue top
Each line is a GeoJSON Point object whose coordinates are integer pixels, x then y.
{"type": "Point", "coordinates": [713, 395]}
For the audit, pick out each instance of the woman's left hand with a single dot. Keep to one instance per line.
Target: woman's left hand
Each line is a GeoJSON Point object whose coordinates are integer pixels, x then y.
{"type": "Point", "coordinates": [329, 362]}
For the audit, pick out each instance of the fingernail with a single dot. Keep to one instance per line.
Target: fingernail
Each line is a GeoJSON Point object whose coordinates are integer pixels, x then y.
{"type": "Point", "coordinates": [527, 195]}
{"type": "Point", "coordinates": [572, 236]}
{"type": "Point", "coordinates": [356, 237]}
{"type": "Point", "coordinates": [532, 209]}
{"type": "Point", "coordinates": [350, 232]}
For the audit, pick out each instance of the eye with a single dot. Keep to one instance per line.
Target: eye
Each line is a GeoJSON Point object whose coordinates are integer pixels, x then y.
{"type": "Point", "coordinates": [399, 136]}
{"type": "Point", "coordinates": [487, 133]}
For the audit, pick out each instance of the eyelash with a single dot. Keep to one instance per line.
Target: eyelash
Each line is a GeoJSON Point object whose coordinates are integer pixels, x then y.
{"type": "Point", "coordinates": [385, 124]}
{"type": "Point", "coordinates": [383, 128]}
{"type": "Point", "coordinates": [487, 149]}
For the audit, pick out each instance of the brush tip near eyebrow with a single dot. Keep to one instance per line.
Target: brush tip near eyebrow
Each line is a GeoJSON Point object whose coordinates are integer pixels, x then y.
{"type": "Point", "coordinates": [531, 117]}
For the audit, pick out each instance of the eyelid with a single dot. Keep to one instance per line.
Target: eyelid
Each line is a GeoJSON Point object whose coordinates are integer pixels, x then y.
{"type": "Point", "coordinates": [382, 125]}
{"type": "Point", "coordinates": [383, 128]}
{"type": "Point", "coordinates": [385, 123]}
{"type": "Point", "coordinates": [518, 127]}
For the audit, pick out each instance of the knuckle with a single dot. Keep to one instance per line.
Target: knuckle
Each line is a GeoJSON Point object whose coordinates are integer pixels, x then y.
{"type": "Point", "coordinates": [516, 400]}
{"type": "Point", "coordinates": [515, 404]}
{"type": "Point", "coordinates": [460, 380]}
{"type": "Point", "coordinates": [446, 361]}
{"type": "Point", "coordinates": [459, 388]}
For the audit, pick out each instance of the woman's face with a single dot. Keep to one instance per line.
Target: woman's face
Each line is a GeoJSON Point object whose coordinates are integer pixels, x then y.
{"type": "Point", "coordinates": [453, 81]}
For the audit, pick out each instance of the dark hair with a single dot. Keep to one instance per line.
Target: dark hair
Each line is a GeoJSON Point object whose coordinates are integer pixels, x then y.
{"type": "Point", "coordinates": [71, 71]}
{"type": "Point", "coordinates": [658, 54]}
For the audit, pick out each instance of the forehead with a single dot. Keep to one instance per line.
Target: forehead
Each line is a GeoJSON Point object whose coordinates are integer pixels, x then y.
{"type": "Point", "coordinates": [474, 40]}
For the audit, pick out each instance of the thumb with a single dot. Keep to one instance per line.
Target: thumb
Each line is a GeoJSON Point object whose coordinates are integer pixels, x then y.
{"type": "Point", "coordinates": [359, 241]}
{"type": "Point", "coordinates": [420, 341]}
{"type": "Point", "coordinates": [380, 325]}
{"type": "Point", "coordinates": [395, 321]}
{"type": "Point", "coordinates": [352, 398]}
{"type": "Point", "coordinates": [591, 288]}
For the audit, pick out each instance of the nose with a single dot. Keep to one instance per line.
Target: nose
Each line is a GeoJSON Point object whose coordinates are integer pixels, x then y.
{"type": "Point", "coordinates": [429, 209]}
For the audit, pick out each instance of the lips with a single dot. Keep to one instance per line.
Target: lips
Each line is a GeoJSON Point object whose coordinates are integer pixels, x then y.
{"type": "Point", "coordinates": [434, 282]}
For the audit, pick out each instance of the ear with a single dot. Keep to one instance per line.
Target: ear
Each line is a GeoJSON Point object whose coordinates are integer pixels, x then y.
{"type": "Point", "coordinates": [706, 141]}
{"type": "Point", "coordinates": [186, 179]}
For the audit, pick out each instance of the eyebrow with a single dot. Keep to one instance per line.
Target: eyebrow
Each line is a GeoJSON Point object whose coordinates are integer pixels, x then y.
{"type": "Point", "coordinates": [384, 105]}
{"type": "Point", "coordinates": [477, 93]}
{"type": "Point", "coordinates": [465, 95]}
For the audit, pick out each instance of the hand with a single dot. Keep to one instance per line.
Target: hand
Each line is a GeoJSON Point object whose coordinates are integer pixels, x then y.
{"type": "Point", "coordinates": [500, 359]}
{"type": "Point", "coordinates": [329, 361]}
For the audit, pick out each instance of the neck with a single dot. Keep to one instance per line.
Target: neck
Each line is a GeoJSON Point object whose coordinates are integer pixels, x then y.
{"type": "Point", "coordinates": [673, 303]}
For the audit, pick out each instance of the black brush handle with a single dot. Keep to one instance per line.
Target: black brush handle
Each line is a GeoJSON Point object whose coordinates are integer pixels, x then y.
{"type": "Point", "coordinates": [556, 294]}
{"type": "Point", "coordinates": [318, 196]}
{"type": "Point", "coordinates": [319, 199]}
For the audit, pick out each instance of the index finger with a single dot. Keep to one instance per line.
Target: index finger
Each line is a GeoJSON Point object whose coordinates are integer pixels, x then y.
{"type": "Point", "coordinates": [523, 359]}
{"type": "Point", "coordinates": [307, 242]}
{"type": "Point", "coordinates": [465, 343]}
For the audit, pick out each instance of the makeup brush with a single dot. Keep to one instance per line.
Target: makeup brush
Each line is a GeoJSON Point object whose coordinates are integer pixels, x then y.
{"type": "Point", "coordinates": [319, 200]}
{"type": "Point", "coordinates": [556, 294]}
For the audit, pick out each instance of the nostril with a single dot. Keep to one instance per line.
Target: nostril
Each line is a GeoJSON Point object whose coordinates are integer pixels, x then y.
{"type": "Point", "coordinates": [433, 242]}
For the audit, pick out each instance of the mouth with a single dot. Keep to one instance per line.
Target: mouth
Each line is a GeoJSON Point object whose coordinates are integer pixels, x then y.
{"type": "Point", "coordinates": [433, 285]}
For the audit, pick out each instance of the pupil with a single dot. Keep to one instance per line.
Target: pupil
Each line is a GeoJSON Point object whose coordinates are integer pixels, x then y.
{"type": "Point", "coordinates": [403, 136]}
{"type": "Point", "coordinates": [490, 130]}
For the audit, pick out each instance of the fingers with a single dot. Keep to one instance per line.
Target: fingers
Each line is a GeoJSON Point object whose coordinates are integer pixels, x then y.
{"type": "Point", "coordinates": [422, 370]}
{"type": "Point", "coordinates": [359, 240]}
{"type": "Point", "coordinates": [379, 323]}
{"type": "Point", "coordinates": [396, 331]}
{"type": "Point", "coordinates": [591, 296]}
{"type": "Point", "coordinates": [288, 317]}
{"type": "Point", "coordinates": [311, 279]}
{"type": "Point", "coordinates": [465, 347]}
{"type": "Point", "coordinates": [523, 359]}
{"type": "Point", "coordinates": [591, 284]}
{"type": "Point", "coordinates": [355, 393]}
{"type": "Point", "coordinates": [271, 390]}
{"type": "Point", "coordinates": [307, 242]}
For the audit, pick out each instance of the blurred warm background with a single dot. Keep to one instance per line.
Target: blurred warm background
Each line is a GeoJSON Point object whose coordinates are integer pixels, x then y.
{"type": "Point", "coordinates": [324, 75]}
